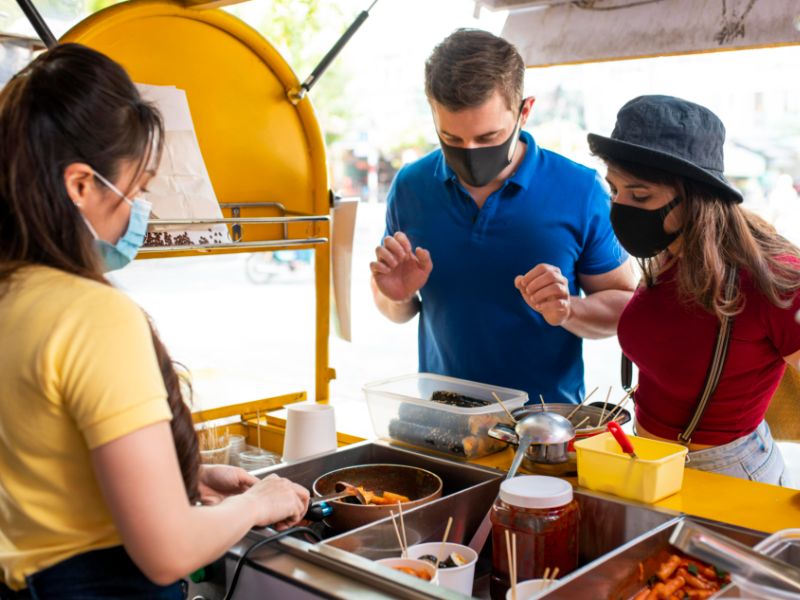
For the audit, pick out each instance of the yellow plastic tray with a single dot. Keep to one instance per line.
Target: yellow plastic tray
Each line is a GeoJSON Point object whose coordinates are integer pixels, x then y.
{"type": "Point", "coordinates": [656, 474]}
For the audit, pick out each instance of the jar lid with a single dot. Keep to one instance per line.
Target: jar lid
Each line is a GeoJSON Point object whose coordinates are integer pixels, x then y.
{"type": "Point", "coordinates": [536, 491]}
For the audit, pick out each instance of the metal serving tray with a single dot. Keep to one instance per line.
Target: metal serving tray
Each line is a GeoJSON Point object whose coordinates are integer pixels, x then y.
{"type": "Point", "coordinates": [615, 535]}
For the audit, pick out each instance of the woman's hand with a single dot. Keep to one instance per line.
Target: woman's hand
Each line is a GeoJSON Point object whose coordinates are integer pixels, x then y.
{"type": "Point", "coordinates": [217, 482]}
{"type": "Point", "coordinates": [278, 502]}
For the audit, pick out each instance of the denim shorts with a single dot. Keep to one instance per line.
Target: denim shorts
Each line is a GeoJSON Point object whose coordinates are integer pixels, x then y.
{"type": "Point", "coordinates": [107, 574]}
{"type": "Point", "coordinates": [754, 456]}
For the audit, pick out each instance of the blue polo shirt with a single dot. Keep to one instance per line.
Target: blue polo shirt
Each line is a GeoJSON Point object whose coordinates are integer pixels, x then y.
{"type": "Point", "coordinates": [474, 323]}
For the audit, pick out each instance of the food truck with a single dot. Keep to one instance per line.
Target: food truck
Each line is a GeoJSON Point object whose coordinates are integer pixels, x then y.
{"type": "Point", "coordinates": [602, 524]}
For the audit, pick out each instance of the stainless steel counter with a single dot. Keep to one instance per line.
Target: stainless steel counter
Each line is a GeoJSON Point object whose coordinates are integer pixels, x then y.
{"type": "Point", "coordinates": [615, 535]}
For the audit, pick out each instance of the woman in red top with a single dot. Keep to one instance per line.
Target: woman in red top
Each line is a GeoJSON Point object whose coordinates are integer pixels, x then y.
{"type": "Point", "coordinates": [674, 210]}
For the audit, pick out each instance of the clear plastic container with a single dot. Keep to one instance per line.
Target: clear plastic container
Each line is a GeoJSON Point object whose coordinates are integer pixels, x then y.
{"type": "Point", "coordinates": [257, 458]}
{"type": "Point", "coordinates": [216, 456]}
{"type": "Point", "coordinates": [783, 545]}
{"type": "Point", "coordinates": [402, 409]}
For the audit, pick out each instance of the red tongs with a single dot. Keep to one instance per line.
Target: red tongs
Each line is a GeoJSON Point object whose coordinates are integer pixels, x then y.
{"type": "Point", "coordinates": [622, 439]}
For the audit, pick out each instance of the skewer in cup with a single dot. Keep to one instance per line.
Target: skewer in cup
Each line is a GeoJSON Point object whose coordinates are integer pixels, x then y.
{"type": "Point", "coordinates": [544, 406]}
{"type": "Point", "coordinates": [402, 526]}
{"type": "Point", "coordinates": [403, 552]}
{"type": "Point", "coordinates": [503, 406]}
{"type": "Point", "coordinates": [514, 556]}
{"type": "Point", "coordinates": [444, 540]}
{"type": "Point", "coordinates": [512, 574]}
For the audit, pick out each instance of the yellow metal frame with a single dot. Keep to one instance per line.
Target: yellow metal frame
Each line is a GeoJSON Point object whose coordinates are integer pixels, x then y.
{"type": "Point", "coordinates": [257, 145]}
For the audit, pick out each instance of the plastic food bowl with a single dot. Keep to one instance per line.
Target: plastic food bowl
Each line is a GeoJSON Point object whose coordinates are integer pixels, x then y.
{"type": "Point", "coordinates": [414, 564]}
{"type": "Point", "coordinates": [401, 409]}
{"type": "Point", "coordinates": [656, 474]}
{"type": "Point", "coordinates": [459, 579]}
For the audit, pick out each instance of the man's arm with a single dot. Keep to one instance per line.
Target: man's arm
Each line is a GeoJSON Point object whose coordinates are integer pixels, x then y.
{"type": "Point", "coordinates": [594, 316]}
{"type": "Point", "coordinates": [398, 312]}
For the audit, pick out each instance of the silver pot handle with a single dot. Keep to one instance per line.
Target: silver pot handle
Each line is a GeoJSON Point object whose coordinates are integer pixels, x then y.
{"type": "Point", "coordinates": [504, 433]}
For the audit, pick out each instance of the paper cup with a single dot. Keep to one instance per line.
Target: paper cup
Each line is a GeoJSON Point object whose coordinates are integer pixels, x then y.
{"type": "Point", "coordinates": [528, 590]}
{"type": "Point", "coordinates": [417, 565]}
{"type": "Point", "coordinates": [310, 430]}
{"type": "Point", "coordinates": [459, 579]}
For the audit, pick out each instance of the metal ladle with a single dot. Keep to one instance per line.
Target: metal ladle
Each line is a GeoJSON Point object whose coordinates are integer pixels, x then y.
{"type": "Point", "coordinates": [548, 431]}
{"type": "Point", "coordinates": [544, 429]}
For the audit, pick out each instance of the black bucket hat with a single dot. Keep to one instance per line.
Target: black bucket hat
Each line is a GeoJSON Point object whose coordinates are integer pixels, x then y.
{"type": "Point", "coordinates": [672, 135]}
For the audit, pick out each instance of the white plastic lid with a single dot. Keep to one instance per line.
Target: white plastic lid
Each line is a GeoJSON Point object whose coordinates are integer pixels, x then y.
{"type": "Point", "coordinates": [536, 491]}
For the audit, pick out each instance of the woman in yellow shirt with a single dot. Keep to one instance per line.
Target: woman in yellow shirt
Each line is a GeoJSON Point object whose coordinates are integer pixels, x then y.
{"type": "Point", "coordinates": [99, 467]}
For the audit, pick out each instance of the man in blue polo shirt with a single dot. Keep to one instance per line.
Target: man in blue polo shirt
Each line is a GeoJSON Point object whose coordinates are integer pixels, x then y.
{"type": "Point", "coordinates": [491, 238]}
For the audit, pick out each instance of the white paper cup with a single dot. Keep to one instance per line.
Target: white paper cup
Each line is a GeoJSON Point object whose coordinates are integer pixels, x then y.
{"type": "Point", "coordinates": [459, 579]}
{"type": "Point", "coordinates": [530, 589]}
{"type": "Point", "coordinates": [310, 430]}
{"type": "Point", "coordinates": [417, 565]}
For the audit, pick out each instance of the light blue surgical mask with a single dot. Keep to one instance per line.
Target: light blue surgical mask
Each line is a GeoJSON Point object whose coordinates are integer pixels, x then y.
{"type": "Point", "coordinates": [116, 256]}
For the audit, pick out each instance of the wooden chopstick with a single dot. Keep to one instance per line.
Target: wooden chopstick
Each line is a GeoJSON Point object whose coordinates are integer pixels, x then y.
{"type": "Point", "coordinates": [444, 540]}
{"type": "Point", "coordinates": [503, 406]}
{"type": "Point", "coordinates": [574, 410]}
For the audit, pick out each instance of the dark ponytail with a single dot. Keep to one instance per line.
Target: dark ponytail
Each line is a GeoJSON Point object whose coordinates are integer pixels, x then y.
{"type": "Point", "coordinates": [73, 104]}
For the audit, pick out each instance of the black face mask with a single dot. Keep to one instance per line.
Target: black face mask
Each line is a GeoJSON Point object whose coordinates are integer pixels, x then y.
{"type": "Point", "coordinates": [478, 167]}
{"type": "Point", "coordinates": [641, 231]}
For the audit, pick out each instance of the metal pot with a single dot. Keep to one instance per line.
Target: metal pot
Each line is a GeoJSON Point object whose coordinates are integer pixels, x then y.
{"type": "Point", "coordinates": [420, 485]}
{"type": "Point", "coordinates": [560, 452]}
{"type": "Point", "coordinates": [549, 432]}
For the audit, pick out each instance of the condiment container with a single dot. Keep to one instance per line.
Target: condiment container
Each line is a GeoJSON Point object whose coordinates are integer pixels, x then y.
{"type": "Point", "coordinates": [543, 514]}
{"type": "Point", "coordinates": [402, 409]}
{"type": "Point", "coordinates": [655, 474]}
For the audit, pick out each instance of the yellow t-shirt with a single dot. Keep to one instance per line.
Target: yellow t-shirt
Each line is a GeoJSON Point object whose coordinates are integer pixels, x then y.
{"type": "Point", "coordinates": [77, 370]}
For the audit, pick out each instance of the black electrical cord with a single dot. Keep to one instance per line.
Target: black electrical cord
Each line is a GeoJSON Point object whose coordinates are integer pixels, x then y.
{"type": "Point", "coordinates": [273, 538]}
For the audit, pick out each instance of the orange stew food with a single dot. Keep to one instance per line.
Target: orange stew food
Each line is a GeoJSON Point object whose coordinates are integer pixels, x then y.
{"type": "Point", "coordinates": [420, 574]}
{"type": "Point", "coordinates": [680, 578]}
{"type": "Point", "coordinates": [386, 498]}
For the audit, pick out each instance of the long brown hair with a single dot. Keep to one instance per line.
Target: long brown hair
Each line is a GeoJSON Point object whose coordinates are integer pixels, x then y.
{"type": "Point", "coordinates": [73, 104]}
{"type": "Point", "coordinates": [717, 232]}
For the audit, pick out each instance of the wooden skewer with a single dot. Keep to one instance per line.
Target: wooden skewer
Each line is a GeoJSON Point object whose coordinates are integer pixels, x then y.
{"type": "Point", "coordinates": [553, 575]}
{"type": "Point", "coordinates": [602, 414]}
{"type": "Point", "coordinates": [544, 406]}
{"type": "Point", "coordinates": [403, 553]}
{"type": "Point", "coordinates": [503, 406]}
{"type": "Point", "coordinates": [514, 554]}
{"type": "Point", "coordinates": [546, 575]}
{"type": "Point", "coordinates": [402, 526]}
{"type": "Point", "coordinates": [578, 426]}
{"type": "Point", "coordinates": [258, 428]}
{"type": "Point", "coordinates": [574, 410]}
{"type": "Point", "coordinates": [444, 541]}
{"type": "Point", "coordinates": [511, 570]}
{"type": "Point", "coordinates": [619, 406]}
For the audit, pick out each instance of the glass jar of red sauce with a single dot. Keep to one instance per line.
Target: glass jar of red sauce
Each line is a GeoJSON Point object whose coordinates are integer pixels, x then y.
{"type": "Point", "coordinates": [543, 514]}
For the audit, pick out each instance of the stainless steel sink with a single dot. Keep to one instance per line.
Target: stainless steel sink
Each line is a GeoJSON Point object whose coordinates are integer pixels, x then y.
{"type": "Point", "coordinates": [614, 536]}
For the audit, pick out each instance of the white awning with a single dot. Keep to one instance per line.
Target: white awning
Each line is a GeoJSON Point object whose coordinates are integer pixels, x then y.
{"type": "Point", "coordinates": [550, 32]}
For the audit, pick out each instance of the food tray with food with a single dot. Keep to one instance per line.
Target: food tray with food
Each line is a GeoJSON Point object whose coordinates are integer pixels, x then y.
{"type": "Point", "coordinates": [440, 413]}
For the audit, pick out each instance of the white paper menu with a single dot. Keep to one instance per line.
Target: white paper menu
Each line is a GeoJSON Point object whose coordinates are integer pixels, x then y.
{"type": "Point", "coordinates": [182, 188]}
